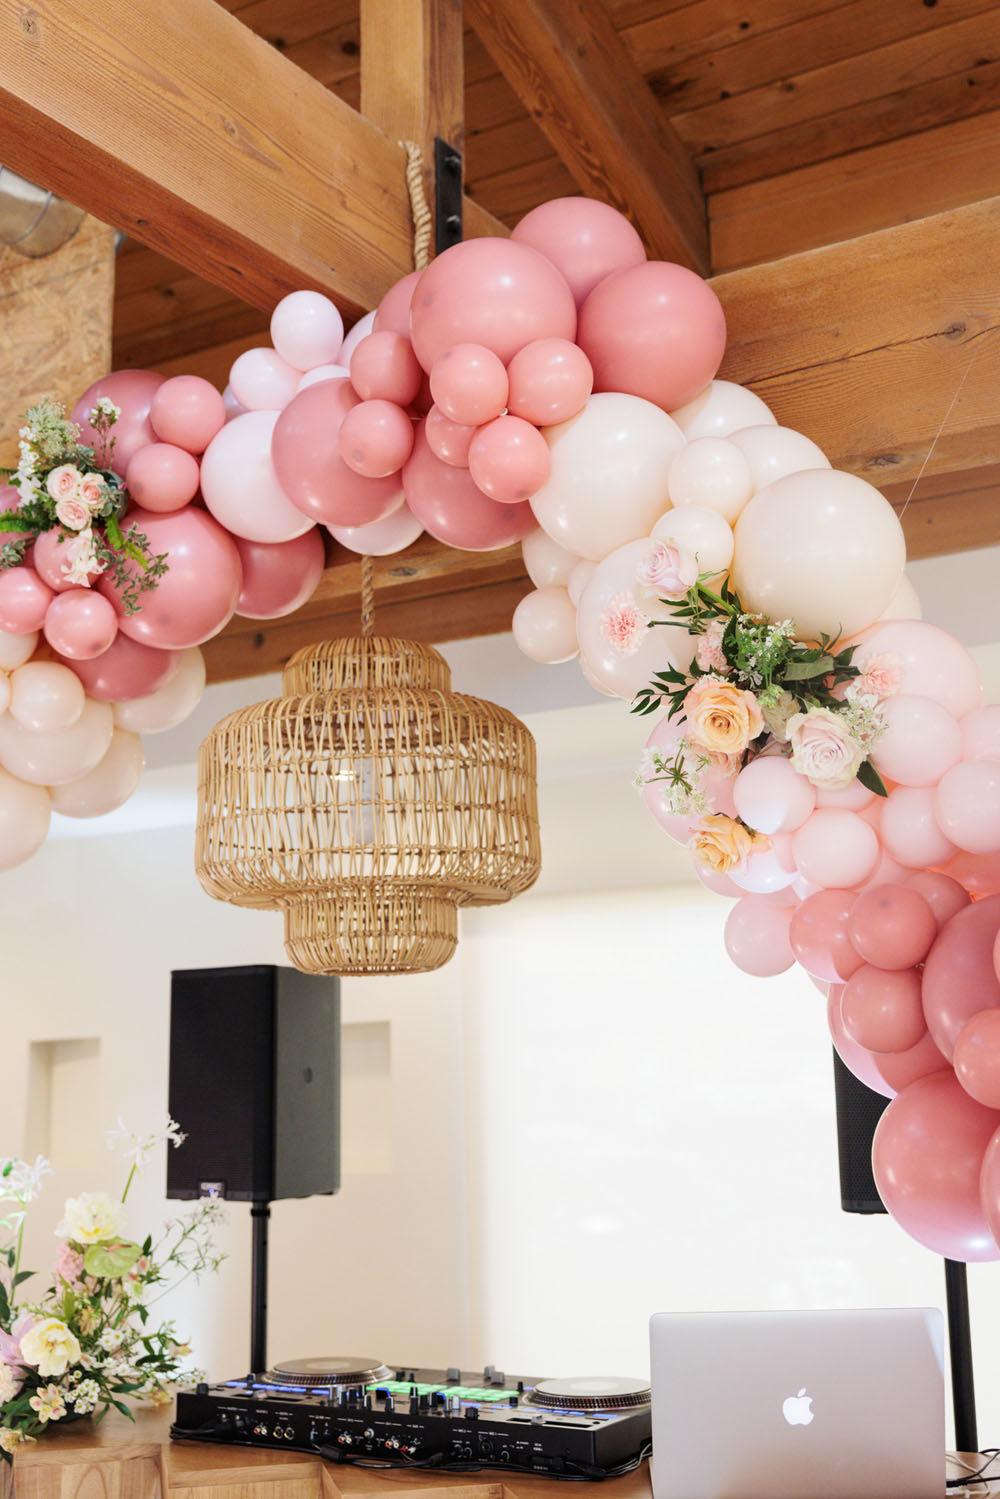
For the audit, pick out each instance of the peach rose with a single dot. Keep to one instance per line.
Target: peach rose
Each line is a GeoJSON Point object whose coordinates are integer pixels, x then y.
{"type": "Point", "coordinates": [823, 749]}
{"type": "Point", "coordinates": [721, 718]}
{"type": "Point", "coordinates": [72, 513]}
{"type": "Point", "coordinates": [91, 492]}
{"type": "Point", "coordinates": [62, 481]}
{"type": "Point", "coordinates": [720, 842]}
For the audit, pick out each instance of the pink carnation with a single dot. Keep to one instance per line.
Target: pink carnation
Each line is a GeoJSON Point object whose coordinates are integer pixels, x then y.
{"type": "Point", "coordinates": [69, 1265]}
{"type": "Point", "coordinates": [881, 675]}
{"type": "Point", "coordinates": [72, 513]}
{"type": "Point", "coordinates": [708, 652]}
{"type": "Point", "coordinates": [667, 571]}
{"type": "Point", "coordinates": [623, 624]}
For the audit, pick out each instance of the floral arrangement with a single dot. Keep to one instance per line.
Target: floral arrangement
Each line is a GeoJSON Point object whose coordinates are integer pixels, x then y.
{"type": "Point", "coordinates": [65, 484]}
{"type": "Point", "coordinates": [85, 1343]}
{"type": "Point", "coordinates": [751, 688]}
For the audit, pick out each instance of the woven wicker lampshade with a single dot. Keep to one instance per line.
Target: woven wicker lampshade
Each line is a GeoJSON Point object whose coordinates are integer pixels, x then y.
{"type": "Point", "coordinates": [368, 803]}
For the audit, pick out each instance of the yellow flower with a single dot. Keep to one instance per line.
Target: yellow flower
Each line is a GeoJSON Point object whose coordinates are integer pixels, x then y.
{"type": "Point", "coordinates": [49, 1347]}
{"type": "Point", "coordinates": [720, 717]}
{"type": "Point", "coordinates": [91, 1218]}
{"type": "Point", "coordinates": [721, 842]}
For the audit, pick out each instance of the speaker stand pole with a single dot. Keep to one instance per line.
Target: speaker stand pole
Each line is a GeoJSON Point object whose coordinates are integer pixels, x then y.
{"type": "Point", "coordinates": [960, 1345]}
{"type": "Point", "coordinates": [260, 1213]}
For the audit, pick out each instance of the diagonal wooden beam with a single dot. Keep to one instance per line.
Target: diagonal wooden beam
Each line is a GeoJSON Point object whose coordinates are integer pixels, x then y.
{"type": "Point", "coordinates": [571, 69]}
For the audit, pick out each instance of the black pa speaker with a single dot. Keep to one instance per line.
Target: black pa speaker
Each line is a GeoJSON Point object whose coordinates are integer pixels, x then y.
{"type": "Point", "coordinates": [254, 1083]}
{"type": "Point", "coordinates": [859, 1109]}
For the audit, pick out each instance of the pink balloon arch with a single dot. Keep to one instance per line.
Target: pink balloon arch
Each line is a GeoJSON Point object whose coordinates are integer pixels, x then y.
{"type": "Point", "coordinates": [821, 751]}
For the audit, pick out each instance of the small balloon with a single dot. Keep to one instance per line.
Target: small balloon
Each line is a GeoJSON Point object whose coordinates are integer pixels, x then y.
{"type": "Point", "coordinates": [109, 785]}
{"type": "Point", "coordinates": [544, 626]}
{"type": "Point", "coordinates": [169, 705]}
{"type": "Point", "coordinates": [307, 329]}
{"type": "Point", "coordinates": [45, 696]}
{"type": "Point", "coordinates": [187, 411]}
{"type": "Point", "coordinates": [509, 460]}
{"type": "Point", "coordinates": [80, 624]}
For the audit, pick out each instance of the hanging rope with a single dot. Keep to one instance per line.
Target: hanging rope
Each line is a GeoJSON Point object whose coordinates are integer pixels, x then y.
{"type": "Point", "coordinates": [367, 596]}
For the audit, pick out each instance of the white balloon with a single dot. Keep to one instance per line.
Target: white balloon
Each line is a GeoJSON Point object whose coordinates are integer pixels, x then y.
{"type": "Point", "coordinates": [108, 785]}
{"type": "Point", "coordinates": [615, 671]}
{"type": "Point", "coordinates": [380, 538]}
{"type": "Point", "coordinates": [45, 696]}
{"type": "Point", "coordinates": [262, 381]}
{"type": "Point", "coordinates": [170, 704]}
{"type": "Point", "coordinates": [721, 408]}
{"type": "Point", "coordinates": [54, 759]}
{"type": "Point", "coordinates": [307, 329]}
{"type": "Point", "coordinates": [361, 330]}
{"type": "Point", "coordinates": [240, 486]}
{"type": "Point", "coordinates": [706, 534]}
{"type": "Point", "coordinates": [232, 405]}
{"type": "Point", "coordinates": [772, 452]}
{"type": "Point", "coordinates": [544, 626]}
{"type": "Point", "coordinates": [549, 565]}
{"type": "Point", "coordinates": [24, 820]}
{"type": "Point", "coordinates": [712, 472]}
{"type": "Point", "coordinates": [15, 650]}
{"type": "Point", "coordinates": [322, 372]}
{"type": "Point", "coordinates": [578, 580]}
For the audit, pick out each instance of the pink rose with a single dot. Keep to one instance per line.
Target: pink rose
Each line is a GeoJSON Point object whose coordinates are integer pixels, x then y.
{"type": "Point", "coordinates": [73, 514]}
{"type": "Point", "coordinates": [823, 750]}
{"type": "Point", "coordinates": [881, 675]}
{"type": "Point", "coordinates": [708, 652]}
{"type": "Point", "coordinates": [69, 1265]}
{"type": "Point", "coordinates": [623, 624]}
{"type": "Point", "coordinates": [62, 481]}
{"type": "Point", "coordinates": [667, 571]}
{"type": "Point", "coordinates": [91, 492]}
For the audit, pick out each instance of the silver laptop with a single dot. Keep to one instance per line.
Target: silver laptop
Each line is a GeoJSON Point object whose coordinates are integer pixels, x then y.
{"type": "Point", "coordinates": [798, 1405]}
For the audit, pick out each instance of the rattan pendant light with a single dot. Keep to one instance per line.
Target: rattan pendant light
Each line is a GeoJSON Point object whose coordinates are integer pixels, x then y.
{"type": "Point", "coordinates": [368, 803]}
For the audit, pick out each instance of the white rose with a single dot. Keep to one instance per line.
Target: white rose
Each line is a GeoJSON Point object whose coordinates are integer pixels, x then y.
{"type": "Point", "coordinates": [49, 1347]}
{"type": "Point", "coordinates": [91, 1218]}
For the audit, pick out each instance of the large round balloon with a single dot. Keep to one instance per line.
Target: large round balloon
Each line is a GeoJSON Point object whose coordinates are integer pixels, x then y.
{"type": "Point", "coordinates": [306, 456]}
{"type": "Point", "coordinates": [168, 705]}
{"type": "Point", "coordinates": [618, 648]}
{"type": "Point", "coordinates": [584, 238]}
{"type": "Point", "coordinates": [110, 783]}
{"type": "Point", "coordinates": [911, 656]}
{"type": "Point", "coordinates": [132, 391]}
{"type": "Point", "coordinates": [280, 576]}
{"type": "Point", "coordinates": [959, 978]}
{"type": "Point", "coordinates": [24, 819]}
{"type": "Point", "coordinates": [721, 409]}
{"type": "Point", "coordinates": [197, 594]}
{"type": "Point", "coordinates": [127, 669]}
{"type": "Point", "coordinates": [240, 485]}
{"type": "Point", "coordinates": [821, 548]}
{"type": "Point", "coordinates": [64, 755]}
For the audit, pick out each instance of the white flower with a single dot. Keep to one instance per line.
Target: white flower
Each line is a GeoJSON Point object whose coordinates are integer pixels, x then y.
{"type": "Point", "coordinates": [11, 1439]}
{"type": "Point", "coordinates": [110, 1339]}
{"type": "Point", "coordinates": [80, 560]}
{"type": "Point", "coordinates": [91, 1218]}
{"type": "Point", "coordinates": [105, 407]}
{"type": "Point", "coordinates": [49, 1346]}
{"type": "Point", "coordinates": [139, 1148]}
{"type": "Point", "coordinates": [84, 1397]}
{"type": "Point", "coordinates": [48, 1403]}
{"type": "Point", "coordinates": [20, 1181]}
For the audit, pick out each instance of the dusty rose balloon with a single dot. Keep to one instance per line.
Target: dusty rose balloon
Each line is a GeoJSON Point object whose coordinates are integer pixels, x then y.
{"type": "Point", "coordinates": [967, 805]}
{"type": "Point", "coordinates": [835, 849]}
{"type": "Point", "coordinates": [109, 785]}
{"type": "Point", "coordinates": [469, 384]}
{"type": "Point", "coordinates": [308, 465]}
{"type": "Point", "coordinates": [944, 895]}
{"type": "Point", "coordinates": [385, 368]}
{"type": "Point", "coordinates": [127, 669]}
{"type": "Point", "coordinates": [979, 874]}
{"type": "Point", "coordinates": [544, 626]}
{"type": "Point", "coordinates": [909, 829]}
{"type": "Point", "coordinates": [621, 659]}
{"type": "Point", "coordinates": [162, 477]}
{"type": "Point", "coordinates": [720, 409]}
{"type": "Point", "coordinates": [450, 441]}
{"type": "Point", "coordinates": [45, 696]}
{"type": "Point", "coordinates": [393, 312]}
{"type": "Point", "coordinates": [187, 411]}
{"type": "Point", "coordinates": [509, 460]}
{"type": "Point", "coordinates": [360, 330]}
{"type": "Point", "coordinates": [24, 820]}
{"type": "Point", "coordinates": [772, 452]}
{"type": "Point", "coordinates": [927, 1156]}
{"type": "Point", "coordinates": [977, 1058]}
{"type": "Point", "coordinates": [197, 595]}
{"type": "Point", "coordinates": [24, 599]}
{"type": "Point", "coordinates": [133, 392]}
{"type": "Point", "coordinates": [655, 330]}
{"type": "Point", "coordinates": [819, 936]}
{"type": "Point", "coordinates": [322, 372]}
{"type": "Point", "coordinates": [278, 577]}
{"type": "Point", "coordinates": [893, 927]}
{"type": "Point", "coordinates": [241, 487]}
{"type": "Point", "coordinates": [585, 239]}
{"type": "Point", "coordinates": [494, 292]}
{"type": "Point", "coordinates": [549, 565]}
{"type": "Point", "coordinates": [50, 557]}
{"type": "Point", "coordinates": [882, 1009]}
{"type": "Point", "coordinates": [772, 797]}
{"type": "Point", "coordinates": [900, 1068]}
{"type": "Point", "coordinates": [926, 662]}
{"type": "Point", "coordinates": [64, 754]}
{"type": "Point", "coordinates": [262, 381]}
{"type": "Point", "coordinates": [80, 624]}
{"type": "Point", "coordinates": [711, 472]}
{"type": "Point", "coordinates": [980, 732]}
{"type": "Point", "coordinates": [15, 650]}
{"type": "Point", "coordinates": [550, 381]}
{"type": "Point", "coordinates": [454, 510]}
{"type": "Point", "coordinates": [168, 705]}
{"type": "Point", "coordinates": [382, 538]}
{"type": "Point", "coordinates": [862, 1063]}
{"type": "Point", "coordinates": [756, 937]}
{"type": "Point", "coordinates": [959, 977]}
{"type": "Point", "coordinates": [375, 439]}
{"type": "Point", "coordinates": [307, 329]}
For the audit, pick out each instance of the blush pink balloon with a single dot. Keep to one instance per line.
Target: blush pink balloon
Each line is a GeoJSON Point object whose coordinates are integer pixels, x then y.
{"type": "Point", "coordinates": [375, 439]}
{"type": "Point", "coordinates": [716, 783]}
{"type": "Point", "coordinates": [862, 1063]}
{"type": "Point", "coordinates": [382, 538]}
{"type": "Point", "coordinates": [979, 874]}
{"type": "Point", "coordinates": [307, 329]}
{"type": "Point", "coordinates": [881, 1010]}
{"type": "Point", "coordinates": [819, 936]}
{"type": "Point", "coordinates": [719, 884]}
{"type": "Point", "coordinates": [197, 595]}
{"type": "Point", "coordinates": [494, 292]}
{"type": "Point", "coordinates": [656, 330]}
{"type": "Point", "coordinates": [909, 830]}
{"type": "Point", "coordinates": [981, 733]}
{"type": "Point", "coordinates": [24, 600]}
{"type": "Point", "coordinates": [278, 577]}
{"type": "Point", "coordinates": [920, 742]}
{"type": "Point", "coordinates": [585, 239]}
{"type": "Point", "coordinates": [756, 936]}
{"type": "Point", "coordinates": [322, 372]}
{"type": "Point", "coordinates": [772, 797]}
{"type": "Point", "coordinates": [162, 477]}
{"type": "Point", "coordinates": [450, 441]}
{"type": "Point", "coordinates": [927, 1156]}
{"type": "Point", "coordinates": [310, 470]}
{"type": "Point", "coordinates": [544, 626]}
{"type": "Point", "coordinates": [187, 411]}
{"type": "Point", "coordinates": [509, 460]}
{"type": "Point", "coordinates": [550, 381]}
{"type": "Point", "coordinates": [127, 670]}
{"type": "Point", "coordinates": [240, 485]}
{"type": "Point", "coordinates": [453, 509]}
{"type": "Point", "coordinates": [977, 1058]}
{"type": "Point", "coordinates": [49, 558]}
{"type": "Point", "coordinates": [393, 312]}
{"type": "Point", "coordinates": [893, 927]}
{"type": "Point", "coordinates": [469, 384]}
{"type": "Point", "coordinates": [967, 805]}
{"type": "Point", "coordinates": [133, 391]}
{"type": "Point", "coordinates": [80, 624]}
{"type": "Point", "coordinates": [385, 368]}
{"type": "Point", "coordinates": [944, 895]}
{"type": "Point", "coordinates": [262, 381]}
{"type": "Point", "coordinates": [360, 330]}
{"type": "Point", "coordinates": [769, 870]}
{"type": "Point", "coordinates": [851, 798]}
{"type": "Point", "coordinates": [835, 849]}
{"type": "Point", "coordinates": [959, 977]}
{"type": "Point", "coordinates": [925, 660]}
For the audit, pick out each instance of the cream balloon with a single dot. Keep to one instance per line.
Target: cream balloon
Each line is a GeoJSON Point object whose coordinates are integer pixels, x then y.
{"type": "Point", "coordinates": [24, 820]}
{"type": "Point", "coordinates": [15, 650]}
{"type": "Point", "coordinates": [4, 691]}
{"type": "Point", "coordinates": [904, 603]}
{"type": "Point", "coordinates": [45, 696]}
{"type": "Point", "coordinates": [713, 472]}
{"type": "Point", "coordinates": [772, 452]}
{"type": "Point", "coordinates": [54, 759]}
{"type": "Point", "coordinates": [544, 626]}
{"type": "Point", "coordinates": [721, 408]}
{"type": "Point", "coordinates": [549, 565]}
{"type": "Point", "coordinates": [704, 533]}
{"type": "Point", "coordinates": [168, 705]}
{"type": "Point", "coordinates": [578, 580]}
{"type": "Point", "coordinates": [821, 548]}
{"type": "Point", "coordinates": [110, 783]}
{"type": "Point", "coordinates": [608, 482]}
{"type": "Point", "coordinates": [623, 672]}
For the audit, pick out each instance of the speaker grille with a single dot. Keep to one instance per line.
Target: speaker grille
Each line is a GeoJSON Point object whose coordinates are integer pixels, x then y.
{"type": "Point", "coordinates": [859, 1109]}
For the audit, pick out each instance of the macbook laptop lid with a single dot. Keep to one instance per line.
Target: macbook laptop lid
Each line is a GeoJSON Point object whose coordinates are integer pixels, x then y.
{"type": "Point", "coordinates": [798, 1405]}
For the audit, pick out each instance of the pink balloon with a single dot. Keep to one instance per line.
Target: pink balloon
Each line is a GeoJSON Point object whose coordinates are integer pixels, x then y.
{"type": "Point", "coordinates": [307, 329]}
{"type": "Point", "coordinates": [393, 312]}
{"type": "Point", "coordinates": [385, 368]}
{"type": "Point", "coordinates": [656, 330]}
{"type": "Point", "coordinates": [494, 292]}
{"type": "Point", "coordinates": [959, 978]}
{"type": "Point", "coordinates": [509, 460]}
{"type": "Point", "coordinates": [864, 1064]}
{"type": "Point", "coordinates": [450, 441]}
{"type": "Point", "coordinates": [909, 830]}
{"type": "Point", "coordinates": [756, 936]}
{"type": "Point", "coordinates": [977, 873]}
{"type": "Point", "coordinates": [187, 411]}
{"type": "Point", "coordinates": [977, 1058]}
{"type": "Point", "coordinates": [927, 1156]}
{"type": "Point", "coordinates": [835, 848]}
{"type": "Point", "coordinates": [197, 595]}
{"type": "Point", "coordinates": [819, 936]}
{"type": "Point", "coordinates": [585, 239]}
{"type": "Point", "coordinates": [893, 927]}
{"type": "Point", "coordinates": [50, 559]}
{"type": "Point", "coordinates": [80, 624]}
{"type": "Point", "coordinates": [989, 1186]}
{"type": "Point", "coordinates": [162, 477]}
{"type": "Point", "coordinates": [967, 805]}
{"type": "Point", "coordinates": [127, 670]}
{"type": "Point", "coordinates": [772, 797]}
{"type": "Point", "coordinates": [719, 884]}
{"type": "Point", "coordinates": [715, 782]}
{"type": "Point", "coordinates": [851, 798]}
{"type": "Point", "coordinates": [921, 741]}
{"type": "Point", "coordinates": [944, 895]}
{"type": "Point", "coordinates": [278, 577]}
{"type": "Point", "coordinates": [550, 381]}
{"type": "Point", "coordinates": [924, 661]}
{"type": "Point", "coordinates": [310, 469]}
{"type": "Point", "coordinates": [469, 384]}
{"type": "Point", "coordinates": [262, 381]}
{"type": "Point", "coordinates": [24, 600]}
{"type": "Point", "coordinates": [382, 538]}
{"type": "Point", "coordinates": [768, 870]}
{"type": "Point", "coordinates": [900, 1068]}
{"type": "Point", "coordinates": [375, 439]}
{"type": "Point", "coordinates": [240, 486]}
{"type": "Point", "coordinates": [881, 1010]}
{"type": "Point", "coordinates": [453, 509]}
{"type": "Point", "coordinates": [133, 392]}
{"type": "Point", "coordinates": [981, 733]}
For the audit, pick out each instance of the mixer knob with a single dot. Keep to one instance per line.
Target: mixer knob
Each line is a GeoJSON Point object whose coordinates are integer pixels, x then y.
{"type": "Point", "coordinates": [389, 1405]}
{"type": "Point", "coordinates": [454, 1376]}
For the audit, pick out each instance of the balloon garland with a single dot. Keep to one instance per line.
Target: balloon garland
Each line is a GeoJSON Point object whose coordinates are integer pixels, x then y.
{"type": "Point", "coordinates": [821, 750]}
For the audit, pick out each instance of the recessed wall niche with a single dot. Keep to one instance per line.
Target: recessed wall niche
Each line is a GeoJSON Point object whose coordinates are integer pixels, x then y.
{"type": "Point", "coordinates": [63, 1120]}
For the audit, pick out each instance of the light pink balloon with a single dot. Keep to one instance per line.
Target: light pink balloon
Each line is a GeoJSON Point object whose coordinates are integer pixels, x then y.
{"type": "Point", "coordinates": [655, 330]}
{"type": "Point", "coordinates": [24, 600]}
{"type": "Point", "coordinates": [756, 936]}
{"type": "Point", "coordinates": [922, 741]}
{"type": "Point", "coordinates": [509, 460]}
{"type": "Point", "coordinates": [977, 1058]}
{"type": "Point", "coordinates": [610, 590]}
{"type": "Point", "coordinates": [133, 392]}
{"type": "Point", "coordinates": [494, 292]}
{"type": "Point", "coordinates": [886, 872]}
{"type": "Point", "coordinates": [231, 405]}
{"type": "Point", "coordinates": [170, 705]}
{"type": "Point", "coordinates": [187, 411]}
{"type": "Point", "coordinates": [450, 441]}
{"type": "Point", "coordinates": [309, 467]}
{"type": "Point", "coordinates": [50, 559]}
{"type": "Point", "coordinates": [544, 626]}
{"type": "Point", "coordinates": [851, 798]}
{"type": "Point", "coordinates": [381, 538]}
{"type": "Point", "coordinates": [278, 577]}
{"type": "Point", "coordinates": [719, 884]}
{"type": "Point", "coordinates": [881, 1010]}
{"type": "Point", "coordinates": [944, 895]}
{"type": "Point", "coordinates": [772, 797]}
{"type": "Point", "coordinates": [550, 381]}
{"type": "Point", "coordinates": [385, 368]}
{"type": "Point", "coordinates": [45, 696]}
{"type": "Point", "coordinates": [80, 624]}
{"type": "Point", "coordinates": [197, 595]}
{"type": "Point", "coordinates": [307, 329]}
{"type": "Point", "coordinates": [835, 849]}
{"type": "Point", "coordinates": [469, 384]}
{"type": "Point", "coordinates": [453, 509]}
{"type": "Point", "coordinates": [819, 936]}
{"type": "Point", "coordinates": [58, 757]}
{"type": "Point", "coordinates": [929, 662]}
{"type": "Point", "coordinates": [980, 732]}
{"type": "Point", "coordinates": [909, 830]}
{"type": "Point", "coordinates": [240, 485]}
{"type": "Point", "coordinates": [126, 670]}
{"type": "Point", "coordinates": [893, 927]}
{"type": "Point", "coordinates": [768, 870]}
{"type": "Point", "coordinates": [861, 1062]}
{"type": "Point", "coordinates": [162, 476]}
{"type": "Point", "coordinates": [360, 330]}
{"type": "Point", "coordinates": [959, 977]}
{"type": "Point", "coordinates": [322, 372]}
{"type": "Point", "coordinates": [967, 805]}
{"type": "Point", "coordinates": [109, 785]}
{"type": "Point", "coordinates": [375, 439]}
{"type": "Point", "coordinates": [262, 381]}
{"type": "Point", "coordinates": [927, 1155]}
{"type": "Point", "coordinates": [583, 238]}
{"type": "Point", "coordinates": [716, 783]}
{"type": "Point", "coordinates": [393, 312]}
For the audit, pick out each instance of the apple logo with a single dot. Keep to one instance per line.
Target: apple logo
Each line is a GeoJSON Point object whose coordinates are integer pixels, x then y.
{"type": "Point", "coordinates": [797, 1409]}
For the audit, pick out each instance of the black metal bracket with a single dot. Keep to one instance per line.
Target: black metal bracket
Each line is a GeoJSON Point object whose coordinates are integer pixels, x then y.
{"type": "Point", "coordinates": [447, 195]}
